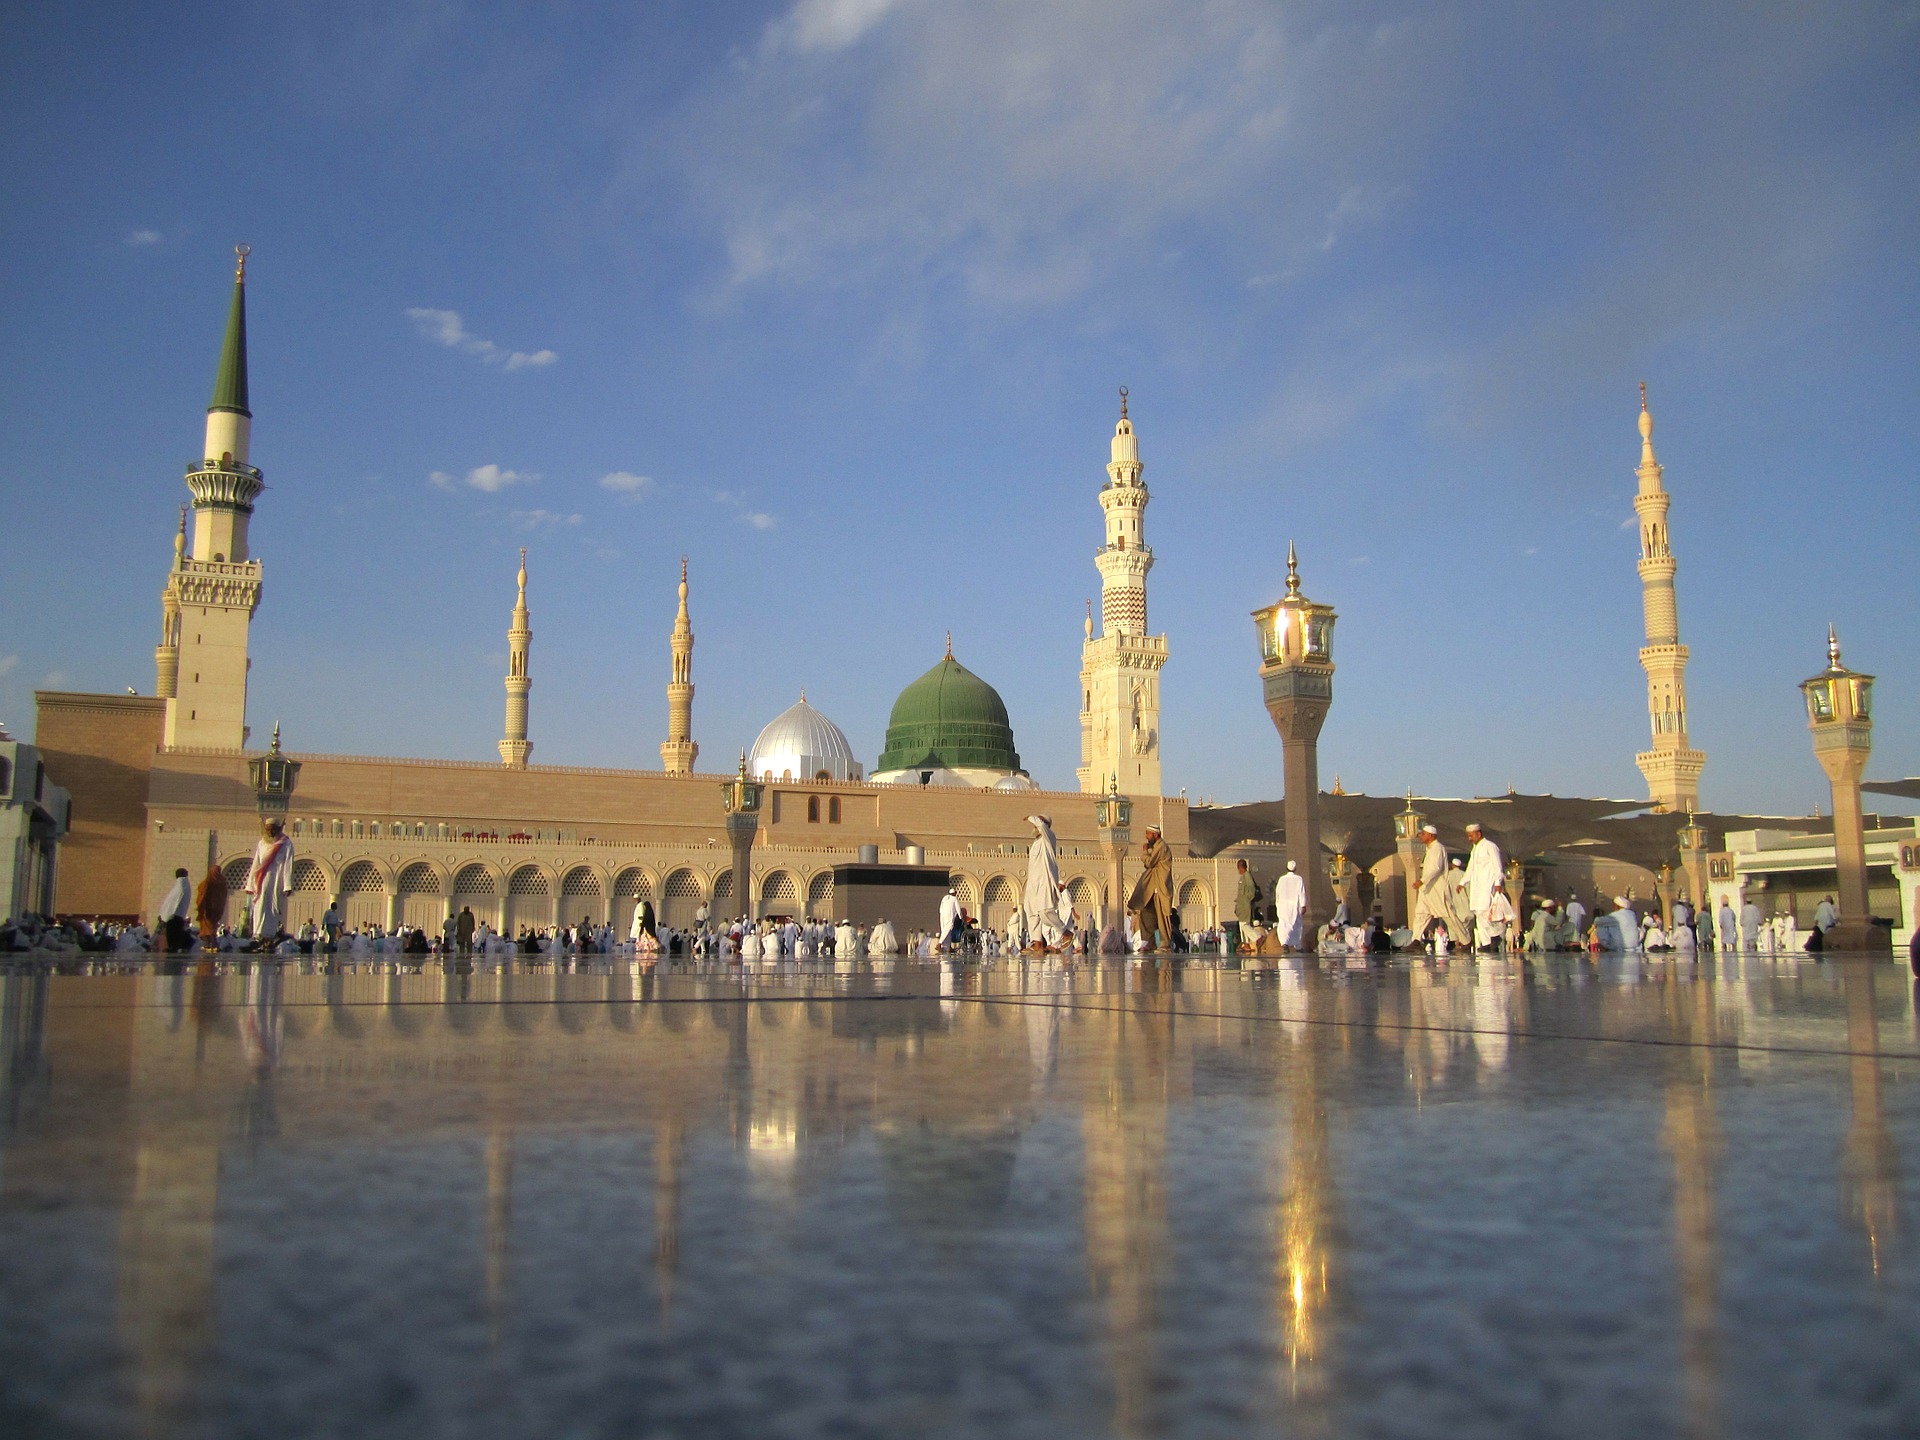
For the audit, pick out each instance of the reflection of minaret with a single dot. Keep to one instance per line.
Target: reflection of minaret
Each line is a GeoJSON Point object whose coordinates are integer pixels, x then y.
{"type": "Point", "coordinates": [669, 1145]}
{"type": "Point", "coordinates": [1871, 1166]}
{"type": "Point", "coordinates": [1672, 766]}
{"type": "Point", "coordinates": [1306, 1236]}
{"type": "Point", "coordinates": [1693, 1137]}
{"type": "Point", "coordinates": [1124, 1137]}
{"type": "Point", "coordinates": [679, 751]}
{"type": "Point", "coordinates": [514, 746]}
{"type": "Point", "coordinates": [499, 1225]}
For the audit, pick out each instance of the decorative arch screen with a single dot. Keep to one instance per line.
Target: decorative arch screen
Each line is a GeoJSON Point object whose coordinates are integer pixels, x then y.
{"type": "Point", "coordinates": [633, 885]}
{"type": "Point", "coordinates": [474, 880]}
{"type": "Point", "coordinates": [779, 889]}
{"type": "Point", "coordinates": [419, 880]}
{"type": "Point", "coordinates": [683, 885]}
{"type": "Point", "coordinates": [526, 881]}
{"type": "Point", "coordinates": [820, 895]}
{"type": "Point", "coordinates": [580, 881]}
{"type": "Point", "coordinates": [360, 878]}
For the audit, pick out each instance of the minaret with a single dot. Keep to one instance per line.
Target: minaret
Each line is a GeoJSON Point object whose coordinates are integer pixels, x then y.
{"type": "Point", "coordinates": [514, 746]}
{"type": "Point", "coordinates": [678, 751]}
{"type": "Point", "coordinates": [214, 588]}
{"type": "Point", "coordinates": [1120, 670]}
{"type": "Point", "coordinates": [1672, 766]}
{"type": "Point", "coordinates": [166, 655]}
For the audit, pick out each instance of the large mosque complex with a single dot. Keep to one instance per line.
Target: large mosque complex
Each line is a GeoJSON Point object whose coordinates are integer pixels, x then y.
{"type": "Point", "coordinates": [164, 781]}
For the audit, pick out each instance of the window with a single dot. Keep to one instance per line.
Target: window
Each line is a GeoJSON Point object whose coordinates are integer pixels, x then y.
{"type": "Point", "coordinates": [813, 809]}
{"type": "Point", "coordinates": [833, 810]}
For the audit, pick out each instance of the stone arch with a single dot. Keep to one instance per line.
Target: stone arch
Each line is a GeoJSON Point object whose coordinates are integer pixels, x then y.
{"type": "Point", "coordinates": [313, 887]}
{"type": "Point", "coordinates": [583, 891]}
{"type": "Point", "coordinates": [723, 894]}
{"type": "Point", "coordinates": [530, 898]}
{"type": "Point", "coordinates": [477, 887]}
{"type": "Point", "coordinates": [1196, 906]}
{"type": "Point", "coordinates": [422, 889]}
{"type": "Point", "coordinates": [363, 894]}
{"type": "Point", "coordinates": [1086, 901]}
{"type": "Point", "coordinates": [820, 896]}
{"type": "Point", "coordinates": [680, 896]}
{"type": "Point", "coordinates": [1002, 899]}
{"type": "Point", "coordinates": [779, 893]}
{"type": "Point", "coordinates": [235, 872]}
{"type": "Point", "coordinates": [967, 890]}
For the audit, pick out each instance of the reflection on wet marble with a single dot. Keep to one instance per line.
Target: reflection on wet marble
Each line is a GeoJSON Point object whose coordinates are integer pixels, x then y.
{"type": "Point", "coordinates": [1488, 1198]}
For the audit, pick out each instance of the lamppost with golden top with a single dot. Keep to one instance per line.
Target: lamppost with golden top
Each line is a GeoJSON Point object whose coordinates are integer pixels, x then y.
{"type": "Point", "coordinates": [1296, 676]}
{"type": "Point", "coordinates": [1114, 817]}
{"type": "Point", "coordinates": [1840, 715]}
{"type": "Point", "coordinates": [740, 797]}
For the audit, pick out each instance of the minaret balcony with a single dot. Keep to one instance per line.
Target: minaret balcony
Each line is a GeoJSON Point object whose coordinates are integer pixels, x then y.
{"type": "Point", "coordinates": [233, 485]}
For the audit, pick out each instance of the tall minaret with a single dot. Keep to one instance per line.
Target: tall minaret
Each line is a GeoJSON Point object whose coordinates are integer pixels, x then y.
{"type": "Point", "coordinates": [514, 746]}
{"type": "Point", "coordinates": [1120, 670]}
{"type": "Point", "coordinates": [678, 751]}
{"type": "Point", "coordinates": [1672, 766]}
{"type": "Point", "coordinates": [212, 592]}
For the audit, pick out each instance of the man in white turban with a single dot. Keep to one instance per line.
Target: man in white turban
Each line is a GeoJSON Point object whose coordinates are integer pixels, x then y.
{"type": "Point", "coordinates": [1433, 902]}
{"type": "Point", "coordinates": [269, 882]}
{"type": "Point", "coordinates": [1485, 874]}
{"type": "Point", "coordinates": [1290, 906]}
{"type": "Point", "coordinates": [1046, 907]}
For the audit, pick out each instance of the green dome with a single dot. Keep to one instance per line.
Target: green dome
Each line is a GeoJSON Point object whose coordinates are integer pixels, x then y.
{"type": "Point", "coordinates": [949, 717]}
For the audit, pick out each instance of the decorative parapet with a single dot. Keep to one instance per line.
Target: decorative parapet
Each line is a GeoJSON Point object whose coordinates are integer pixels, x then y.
{"type": "Point", "coordinates": [231, 485]}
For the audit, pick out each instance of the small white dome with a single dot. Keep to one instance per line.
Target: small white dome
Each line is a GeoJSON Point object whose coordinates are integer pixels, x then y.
{"type": "Point", "coordinates": [1016, 782]}
{"type": "Point", "coordinates": [933, 775]}
{"type": "Point", "coordinates": [802, 744]}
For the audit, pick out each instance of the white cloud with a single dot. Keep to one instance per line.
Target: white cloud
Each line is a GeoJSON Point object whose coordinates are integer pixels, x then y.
{"type": "Point", "coordinates": [541, 519]}
{"type": "Point", "coordinates": [53, 680]}
{"type": "Point", "coordinates": [491, 479]}
{"type": "Point", "coordinates": [827, 24]}
{"type": "Point", "coordinates": [143, 237]}
{"type": "Point", "coordinates": [758, 519]}
{"type": "Point", "coordinates": [7, 662]}
{"type": "Point", "coordinates": [445, 327]}
{"type": "Point", "coordinates": [623, 482]}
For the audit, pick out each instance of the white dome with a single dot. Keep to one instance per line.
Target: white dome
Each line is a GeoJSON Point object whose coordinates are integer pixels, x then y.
{"type": "Point", "coordinates": [802, 744]}
{"type": "Point", "coordinates": [1016, 782]}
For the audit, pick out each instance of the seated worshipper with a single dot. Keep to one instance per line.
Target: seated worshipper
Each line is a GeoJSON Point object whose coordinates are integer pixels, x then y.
{"type": "Point", "coordinates": [843, 942]}
{"type": "Point", "coordinates": [1541, 931]}
{"type": "Point", "coordinates": [1684, 942]}
{"type": "Point", "coordinates": [882, 939]}
{"type": "Point", "coordinates": [1653, 939]}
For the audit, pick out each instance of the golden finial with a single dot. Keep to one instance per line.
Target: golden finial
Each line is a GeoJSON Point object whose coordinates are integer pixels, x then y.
{"type": "Point", "coordinates": [276, 737]}
{"type": "Point", "coordinates": [1833, 649]}
{"type": "Point", "coordinates": [683, 569]}
{"type": "Point", "coordinates": [1293, 570]}
{"type": "Point", "coordinates": [1089, 619]}
{"type": "Point", "coordinates": [1336, 784]}
{"type": "Point", "coordinates": [1646, 426]}
{"type": "Point", "coordinates": [1123, 402]}
{"type": "Point", "coordinates": [1643, 394]}
{"type": "Point", "coordinates": [949, 644]}
{"type": "Point", "coordinates": [180, 541]}
{"type": "Point", "coordinates": [1409, 799]}
{"type": "Point", "coordinates": [240, 266]}
{"type": "Point", "coordinates": [803, 694]}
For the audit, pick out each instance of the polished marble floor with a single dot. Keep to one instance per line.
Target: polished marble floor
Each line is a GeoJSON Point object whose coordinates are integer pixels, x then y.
{"type": "Point", "coordinates": [1493, 1198]}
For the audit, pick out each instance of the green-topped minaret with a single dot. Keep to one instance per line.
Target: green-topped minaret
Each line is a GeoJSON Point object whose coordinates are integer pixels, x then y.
{"type": "Point", "coordinates": [214, 587]}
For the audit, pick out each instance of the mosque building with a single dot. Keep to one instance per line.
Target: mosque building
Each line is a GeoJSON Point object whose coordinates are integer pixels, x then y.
{"type": "Point", "coordinates": [162, 781]}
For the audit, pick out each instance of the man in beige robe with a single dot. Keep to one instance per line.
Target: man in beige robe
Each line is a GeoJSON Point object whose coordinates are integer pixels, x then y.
{"type": "Point", "coordinates": [1151, 903]}
{"type": "Point", "coordinates": [1434, 901]}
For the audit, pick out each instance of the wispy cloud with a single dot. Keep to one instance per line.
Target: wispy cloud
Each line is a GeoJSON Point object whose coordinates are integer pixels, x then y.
{"type": "Point", "coordinates": [491, 479]}
{"type": "Point", "coordinates": [826, 24]}
{"type": "Point", "coordinates": [7, 662]}
{"type": "Point", "coordinates": [445, 327]}
{"type": "Point", "coordinates": [142, 237]}
{"type": "Point", "coordinates": [623, 482]}
{"type": "Point", "coordinates": [758, 519]}
{"type": "Point", "coordinates": [53, 680]}
{"type": "Point", "coordinates": [541, 519]}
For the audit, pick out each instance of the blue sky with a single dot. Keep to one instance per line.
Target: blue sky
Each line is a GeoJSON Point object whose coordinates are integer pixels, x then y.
{"type": "Point", "coordinates": [838, 292]}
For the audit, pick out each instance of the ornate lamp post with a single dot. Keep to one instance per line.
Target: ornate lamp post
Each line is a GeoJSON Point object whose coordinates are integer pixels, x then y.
{"type": "Point", "coordinates": [1114, 817]}
{"type": "Point", "coordinates": [273, 777]}
{"type": "Point", "coordinates": [1840, 715]}
{"type": "Point", "coordinates": [1693, 860]}
{"type": "Point", "coordinates": [1406, 843]}
{"type": "Point", "coordinates": [740, 797]}
{"type": "Point", "coordinates": [1296, 674]}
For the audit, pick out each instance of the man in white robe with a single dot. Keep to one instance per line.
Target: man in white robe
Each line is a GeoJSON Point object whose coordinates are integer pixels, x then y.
{"type": "Point", "coordinates": [175, 907]}
{"type": "Point", "coordinates": [1750, 918]}
{"type": "Point", "coordinates": [1433, 902]}
{"type": "Point", "coordinates": [882, 939]}
{"type": "Point", "coordinates": [1497, 922]}
{"type": "Point", "coordinates": [1825, 915]}
{"type": "Point", "coordinates": [1047, 909]}
{"type": "Point", "coordinates": [269, 882]}
{"type": "Point", "coordinates": [949, 921]}
{"type": "Point", "coordinates": [1728, 933]}
{"type": "Point", "coordinates": [1485, 873]}
{"type": "Point", "coordinates": [1290, 906]}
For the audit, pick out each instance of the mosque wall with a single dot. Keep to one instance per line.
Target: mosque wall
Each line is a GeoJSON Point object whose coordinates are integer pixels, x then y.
{"type": "Point", "coordinates": [98, 748]}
